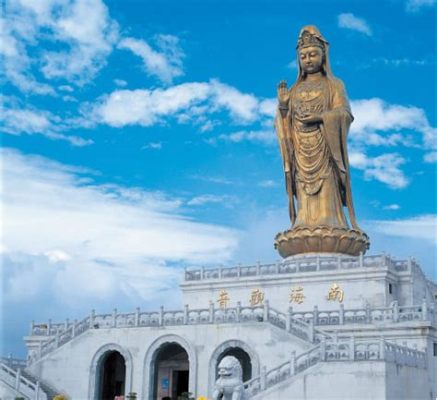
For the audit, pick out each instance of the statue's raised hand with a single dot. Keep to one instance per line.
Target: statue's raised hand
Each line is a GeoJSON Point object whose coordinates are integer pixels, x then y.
{"type": "Point", "coordinates": [283, 93]}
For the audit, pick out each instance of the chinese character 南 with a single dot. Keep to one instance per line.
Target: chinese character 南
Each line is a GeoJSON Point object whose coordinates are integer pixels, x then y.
{"type": "Point", "coordinates": [336, 293]}
{"type": "Point", "coordinates": [296, 295]}
{"type": "Point", "coordinates": [256, 297]}
{"type": "Point", "coordinates": [223, 299]}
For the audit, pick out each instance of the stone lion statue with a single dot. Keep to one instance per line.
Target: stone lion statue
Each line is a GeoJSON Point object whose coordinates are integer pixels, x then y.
{"type": "Point", "coordinates": [229, 385]}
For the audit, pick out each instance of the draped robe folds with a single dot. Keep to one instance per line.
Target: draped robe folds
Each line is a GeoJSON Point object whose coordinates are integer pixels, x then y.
{"type": "Point", "coordinates": [323, 204]}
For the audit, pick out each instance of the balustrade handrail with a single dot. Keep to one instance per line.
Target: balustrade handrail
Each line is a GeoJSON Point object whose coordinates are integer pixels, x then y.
{"type": "Point", "coordinates": [302, 264]}
{"type": "Point", "coordinates": [15, 373]}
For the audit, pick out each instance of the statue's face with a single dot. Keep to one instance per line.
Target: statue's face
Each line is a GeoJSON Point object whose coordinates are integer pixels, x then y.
{"type": "Point", "coordinates": [226, 366]}
{"type": "Point", "coordinates": [311, 59]}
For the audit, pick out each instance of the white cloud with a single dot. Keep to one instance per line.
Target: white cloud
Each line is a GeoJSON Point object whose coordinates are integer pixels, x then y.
{"type": "Point", "coordinates": [165, 64]}
{"type": "Point", "coordinates": [380, 123]}
{"type": "Point", "coordinates": [430, 157]}
{"type": "Point", "coordinates": [268, 183]}
{"type": "Point", "coordinates": [384, 168]}
{"type": "Point", "coordinates": [191, 101]}
{"type": "Point", "coordinates": [61, 230]}
{"type": "Point", "coordinates": [266, 137]}
{"type": "Point", "coordinates": [392, 207]}
{"type": "Point", "coordinates": [120, 82]}
{"type": "Point", "coordinates": [420, 227]}
{"type": "Point", "coordinates": [81, 29]}
{"type": "Point", "coordinates": [16, 121]}
{"type": "Point", "coordinates": [417, 5]}
{"type": "Point", "coordinates": [212, 199]}
{"type": "Point", "coordinates": [350, 21]}
{"type": "Point", "coordinates": [152, 145]}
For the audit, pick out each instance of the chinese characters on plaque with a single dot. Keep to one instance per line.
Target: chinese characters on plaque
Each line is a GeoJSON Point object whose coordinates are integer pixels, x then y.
{"type": "Point", "coordinates": [296, 295]}
{"type": "Point", "coordinates": [336, 293]}
{"type": "Point", "coordinates": [223, 299]}
{"type": "Point", "coordinates": [256, 297]}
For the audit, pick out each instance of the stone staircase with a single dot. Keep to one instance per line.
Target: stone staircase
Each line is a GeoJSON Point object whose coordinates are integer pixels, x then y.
{"type": "Point", "coordinates": [25, 384]}
{"type": "Point", "coordinates": [333, 350]}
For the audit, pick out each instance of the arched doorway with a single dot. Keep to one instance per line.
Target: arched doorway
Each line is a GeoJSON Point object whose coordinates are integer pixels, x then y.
{"type": "Point", "coordinates": [112, 376]}
{"type": "Point", "coordinates": [171, 372]}
{"type": "Point", "coordinates": [241, 356]}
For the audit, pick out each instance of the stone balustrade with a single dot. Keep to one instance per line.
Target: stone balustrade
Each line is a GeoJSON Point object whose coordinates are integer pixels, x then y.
{"type": "Point", "coordinates": [301, 324]}
{"type": "Point", "coordinates": [187, 316]}
{"type": "Point", "coordinates": [368, 315]}
{"type": "Point", "coordinates": [302, 264]}
{"type": "Point", "coordinates": [336, 350]}
{"type": "Point", "coordinates": [21, 384]}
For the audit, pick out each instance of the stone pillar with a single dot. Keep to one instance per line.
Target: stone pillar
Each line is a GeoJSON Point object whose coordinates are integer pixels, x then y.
{"type": "Point", "coordinates": [161, 316]}
{"type": "Point", "coordinates": [316, 315]}
{"type": "Point", "coordinates": [382, 348]}
{"type": "Point", "coordinates": [352, 348]}
{"type": "Point", "coordinates": [238, 311]}
{"type": "Point", "coordinates": [73, 328]}
{"type": "Point", "coordinates": [17, 379]}
{"type": "Point", "coordinates": [185, 314]}
{"type": "Point", "coordinates": [92, 315]}
{"type": "Point", "coordinates": [114, 318]}
{"type": "Point", "coordinates": [424, 309]}
{"type": "Point", "coordinates": [263, 377]}
{"type": "Point", "coordinates": [49, 327]}
{"type": "Point", "coordinates": [288, 321]}
{"type": "Point", "coordinates": [368, 314]}
{"type": "Point", "coordinates": [137, 316]}
{"type": "Point", "coordinates": [266, 311]}
{"type": "Point", "coordinates": [323, 349]}
{"type": "Point", "coordinates": [361, 259]}
{"type": "Point", "coordinates": [395, 314]}
{"type": "Point", "coordinates": [211, 312]}
{"type": "Point", "coordinates": [341, 314]}
{"type": "Point", "coordinates": [293, 363]}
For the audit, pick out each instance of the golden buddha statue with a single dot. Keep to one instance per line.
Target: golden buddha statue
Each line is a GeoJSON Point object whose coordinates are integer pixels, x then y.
{"type": "Point", "coordinates": [312, 124]}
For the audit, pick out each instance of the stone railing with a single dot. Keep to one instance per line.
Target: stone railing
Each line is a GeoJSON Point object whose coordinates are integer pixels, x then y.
{"type": "Point", "coordinates": [368, 315]}
{"type": "Point", "coordinates": [301, 264]}
{"type": "Point", "coordinates": [187, 316]}
{"type": "Point", "coordinates": [15, 380]}
{"type": "Point", "coordinates": [333, 350]}
{"type": "Point", "coordinates": [13, 363]}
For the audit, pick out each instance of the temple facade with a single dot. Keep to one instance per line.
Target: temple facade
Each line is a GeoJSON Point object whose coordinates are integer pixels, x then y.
{"type": "Point", "coordinates": [314, 326]}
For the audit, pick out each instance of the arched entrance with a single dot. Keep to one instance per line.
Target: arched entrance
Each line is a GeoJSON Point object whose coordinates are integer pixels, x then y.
{"type": "Point", "coordinates": [241, 356]}
{"type": "Point", "coordinates": [112, 376]}
{"type": "Point", "coordinates": [171, 372]}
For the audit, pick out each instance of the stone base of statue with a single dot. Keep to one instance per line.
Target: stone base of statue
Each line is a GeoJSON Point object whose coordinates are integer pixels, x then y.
{"type": "Point", "coordinates": [321, 239]}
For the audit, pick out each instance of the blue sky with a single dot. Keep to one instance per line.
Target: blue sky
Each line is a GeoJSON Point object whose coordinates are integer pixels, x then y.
{"type": "Point", "coordinates": [137, 140]}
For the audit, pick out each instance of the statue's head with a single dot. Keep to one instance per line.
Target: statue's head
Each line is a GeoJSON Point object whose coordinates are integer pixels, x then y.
{"type": "Point", "coordinates": [230, 367]}
{"type": "Point", "coordinates": [312, 51]}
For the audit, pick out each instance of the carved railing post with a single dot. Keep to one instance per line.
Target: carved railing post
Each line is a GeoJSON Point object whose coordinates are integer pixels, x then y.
{"type": "Point", "coordinates": [323, 349]}
{"type": "Point", "coordinates": [49, 327]}
{"type": "Point", "coordinates": [395, 315]}
{"type": "Point", "coordinates": [263, 377]}
{"type": "Point", "coordinates": [239, 270]}
{"type": "Point", "coordinates": [137, 316]}
{"type": "Point", "coordinates": [266, 311]}
{"type": "Point", "coordinates": [361, 259]}
{"type": "Point", "coordinates": [382, 348]}
{"type": "Point", "coordinates": [17, 379]}
{"type": "Point", "coordinates": [114, 318]}
{"type": "Point", "coordinates": [185, 314]}
{"type": "Point", "coordinates": [341, 314]}
{"type": "Point", "coordinates": [368, 313]}
{"type": "Point", "coordinates": [288, 321]}
{"type": "Point", "coordinates": [316, 315]}
{"type": "Point", "coordinates": [352, 348]}
{"type": "Point", "coordinates": [211, 312]}
{"type": "Point", "coordinates": [57, 339]}
{"type": "Point", "coordinates": [424, 310]}
{"type": "Point", "coordinates": [37, 390]}
{"type": "Point", "coordinates": [161, 316]}
{"type": "Point", "coordinates": [293, 363]}
{"type": "Point", "coordinates": [73, 328]}
{"type": "Point", "coordinates": [92, 315]}
{"type": "Point", "coordinates": [238, 311]}
{"type": "Point", "coordinates": [202, 273]}
{"type": "Point", "coordinates": [258, 268]}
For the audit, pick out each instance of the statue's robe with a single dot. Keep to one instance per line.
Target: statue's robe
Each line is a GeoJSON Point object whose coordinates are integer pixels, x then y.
{"type": "Point", "coordinates": [337, 118]}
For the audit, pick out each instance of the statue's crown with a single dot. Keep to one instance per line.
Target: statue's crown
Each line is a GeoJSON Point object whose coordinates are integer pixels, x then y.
{"type": "Point", "coordinates": [308, 39]}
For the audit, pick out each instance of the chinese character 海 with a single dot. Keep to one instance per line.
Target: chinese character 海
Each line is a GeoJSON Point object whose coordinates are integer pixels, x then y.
{"type": "Point", "coordinates": [296, 295]}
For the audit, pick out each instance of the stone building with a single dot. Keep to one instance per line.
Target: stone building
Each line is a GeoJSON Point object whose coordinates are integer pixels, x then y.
{"type": "Point", "coordinates": [320, 326]}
